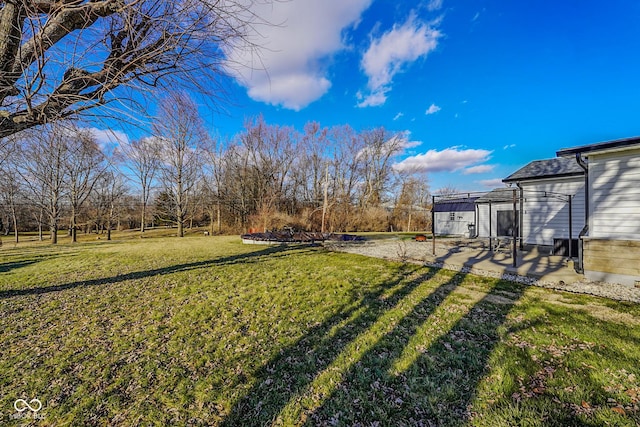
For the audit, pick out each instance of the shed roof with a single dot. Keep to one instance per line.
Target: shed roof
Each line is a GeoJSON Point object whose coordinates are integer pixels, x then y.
{"type": "Point", "coordinates": [502, 195]}
{"type": "Point", "coordinates": [466, 204]}
{"type": "Point", "coordinates": [551, 168]}
{"type": "Point", "coordinates": [614, 145]}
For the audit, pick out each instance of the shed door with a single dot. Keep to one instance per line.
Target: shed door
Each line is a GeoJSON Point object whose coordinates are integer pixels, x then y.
{"type": "Point", "coordinates": [505, 223]}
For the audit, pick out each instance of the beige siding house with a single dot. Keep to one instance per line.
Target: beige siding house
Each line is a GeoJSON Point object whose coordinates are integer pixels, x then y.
{"type": "Point", "coordinates": [611, 244]}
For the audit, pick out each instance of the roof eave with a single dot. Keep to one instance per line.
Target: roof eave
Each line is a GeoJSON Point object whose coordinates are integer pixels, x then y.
{"type": "Point", "coordinates": [509, 180]}
{"type": "Point", "coordinates": [608, 146]}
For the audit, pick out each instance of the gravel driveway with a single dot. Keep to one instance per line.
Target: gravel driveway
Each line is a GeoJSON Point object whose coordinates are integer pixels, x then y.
{"type": "Point", "coordinates": [416, 252]}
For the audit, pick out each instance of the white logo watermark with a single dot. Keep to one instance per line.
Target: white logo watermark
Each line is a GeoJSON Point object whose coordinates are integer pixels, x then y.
{"type": "Point", "coordinates": [21, 406]}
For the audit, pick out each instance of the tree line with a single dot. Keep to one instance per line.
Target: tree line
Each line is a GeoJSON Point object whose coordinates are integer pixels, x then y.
{"type": "Point", "coordinates": [267, 177]}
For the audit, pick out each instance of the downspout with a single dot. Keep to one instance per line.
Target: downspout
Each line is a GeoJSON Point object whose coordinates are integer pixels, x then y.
{"type": "Point", "coordinates": [476, 215]}
{"type": "Point", "coordinates": [585, 229]}
{"type": "Point", "coordinates": [490, 230]}
{"type": "Point", "coordinates": [521, 216]}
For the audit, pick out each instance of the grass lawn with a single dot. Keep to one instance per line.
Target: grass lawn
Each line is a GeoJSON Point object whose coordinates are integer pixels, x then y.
{"type": "Point", "coordinates": [207, 331]}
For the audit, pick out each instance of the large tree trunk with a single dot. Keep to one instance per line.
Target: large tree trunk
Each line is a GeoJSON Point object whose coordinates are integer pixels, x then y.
{"type": "Point", "coordinates": [180, 228]}
{"type": "Point", "coordinates": [144, 211]}
{"type": "Point", "coordinates": [15, 227]}
{"type": "Point", "coordinates": [219, 218]}
{"type": "Point", "coordinates": [54, 233]}
{"type": "Point", "coordinates": [109, 222]}
{"type": "Point", "coordinates": [72, 230]}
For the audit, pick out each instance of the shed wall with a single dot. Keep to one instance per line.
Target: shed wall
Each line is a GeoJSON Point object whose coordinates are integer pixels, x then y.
{"type": "Point", "coordinates": [457, 227]}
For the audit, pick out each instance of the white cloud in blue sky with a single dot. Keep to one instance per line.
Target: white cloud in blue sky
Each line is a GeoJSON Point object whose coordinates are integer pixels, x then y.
{"type": "Point", "coordinates": [492, 183]}
{"type": "Point", "coordinates": [109, 139]}
{"type": "Point", "coordinates": [478, 169]}
{"type": "Point", "coordinates": [433, 108]}
{"type": "Point", "coordinates": [447, 160]}
{"type": "Point", "coordinates": [390, 53]}
{"type": "Point", "coordinates": [434, 5]}
{"type": "Point", "coordinates": [290, 68]}
{"type": "Point", "coordinates": [319, 54]}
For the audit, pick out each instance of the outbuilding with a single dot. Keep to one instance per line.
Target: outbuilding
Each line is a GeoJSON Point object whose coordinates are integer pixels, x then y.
{"type": "Point", "coordinates": [454, 216]}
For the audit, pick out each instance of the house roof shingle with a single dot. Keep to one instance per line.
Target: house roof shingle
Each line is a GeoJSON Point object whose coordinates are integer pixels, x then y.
{"type": "Point", "coordinates": [551, 168]}
{"type": "Point", "coordinates": [466, 204]}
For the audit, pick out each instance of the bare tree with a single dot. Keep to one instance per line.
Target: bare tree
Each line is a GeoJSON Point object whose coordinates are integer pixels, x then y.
{"type": "Point", "coordinates": [412, 200]}
{"type": "Point", "coordinates": [142, 158]}
{"type": "Point", "coordinates": [42, 168]}
{"type": "Point", "coordinates": [448, 191]}
{"type": "Point", "coordinates": [11, 196]}
{"type": "Point", "coordinates": [84, 164]}
{"type": "Point", "coordinates": [59, 58]}
{"type": "Point", "coordinates": [213, 185]}
{"type": "Point", "coordinates": [180, 132]}
{"type": "Point", "coordinates": [109, 190]}
{"type": "Point", "coordinates": [237, 189]}
{"type": "Point", "coordinates": [271, 155]}
{"type": "Point", "coordinates": [376, 157]}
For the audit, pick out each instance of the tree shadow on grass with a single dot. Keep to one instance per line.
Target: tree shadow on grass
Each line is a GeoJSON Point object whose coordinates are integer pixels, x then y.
{"type": "Point", "coordinates": [17, 261]}
{"type": "Point", "coordinates": [229, 260]}
{"type": "Point", "coordinates": [433, 386]}
{"type": "Point", "coordinates": [286, 376]}
{"type": "Point", "coordinates": [13, 265]}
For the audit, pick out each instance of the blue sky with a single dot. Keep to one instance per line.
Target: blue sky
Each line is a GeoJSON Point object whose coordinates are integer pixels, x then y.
{"type": "Point", "coordinates": [481, 87]}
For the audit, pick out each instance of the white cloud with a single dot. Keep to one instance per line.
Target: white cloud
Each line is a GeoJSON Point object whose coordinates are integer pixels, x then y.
{"type": "Point", "coordinates": [506, 147]}
{"type": "Point", "coordinates": [398, 116]}
{"type": "Point", "coordinates": [373, 99]}
{"type": "Point", "coordinates": [406, 141]}
{"type": "Point", "coordinates": [433, 108]}
{"type": "Point", "coordinates": [492, 183]}
{"type": "Point", "coordinates": [388, 54]}
{"type": "Point", "coordinates": [448, 160]}
{"type": "Point", "coordinates": [290, 68]}
{"type": "Point", "coordinates": [294, 91]}
{"type": "Point", "coordinates": [435, 5]}
{"type": "Point", "coordinates": [108, 139]}
{"type": "Point", "coordinates": [478, 169]}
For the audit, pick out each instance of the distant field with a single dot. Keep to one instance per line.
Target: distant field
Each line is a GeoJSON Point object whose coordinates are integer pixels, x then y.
{"type": "Point", "coordinates": [207, 331]}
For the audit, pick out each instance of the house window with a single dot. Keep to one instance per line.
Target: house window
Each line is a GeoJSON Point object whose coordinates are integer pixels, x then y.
{"type": "Point", "coordinates": [452, 216]}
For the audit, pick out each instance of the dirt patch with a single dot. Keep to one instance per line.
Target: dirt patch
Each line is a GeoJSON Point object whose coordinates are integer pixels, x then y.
{"type": "Point", "coordinates": [600, 312]}
{"type": "Point", "coordinates": [493, 298]}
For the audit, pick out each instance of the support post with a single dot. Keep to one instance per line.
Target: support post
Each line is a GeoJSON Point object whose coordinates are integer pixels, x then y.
{"type": "Point", "coordinates": [515, 227]}
{"type": "Point", "coordinates": [433, 225]}
{"type": "Point", "coordinates": [521, 218]}
{"type": "Point", "coordinates": [570, 227]}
